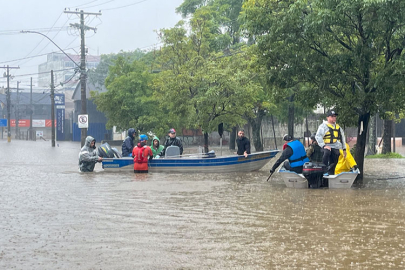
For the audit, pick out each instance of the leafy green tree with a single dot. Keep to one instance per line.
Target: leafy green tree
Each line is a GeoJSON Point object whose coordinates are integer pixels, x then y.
{"type": "Point", "coordinates": [98, 75]}
{"type": "Point", "coordinates": [199, 85]}
{"type": "Point", "coordinates": [226, 14]}
{"type": "Point", "coordinates": [129, 101]}
{"type": "Point", "coordinates": [349, 51]}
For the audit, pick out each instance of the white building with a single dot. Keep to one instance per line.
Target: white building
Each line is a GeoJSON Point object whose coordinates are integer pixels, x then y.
{"type": "Point", "coordinates": [63, 69]}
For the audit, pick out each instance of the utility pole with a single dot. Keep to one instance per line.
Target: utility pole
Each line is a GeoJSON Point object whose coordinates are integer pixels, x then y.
{"type": "Point", "coordinates": [83, 75]}
{"type": "Point", "coordinates": [53, 109]}
{"type": "Point", "coordinates": [17, 112]}
{"type": "Point", "coordinates": [9, 102]}
{"type": "Point", "coordinates": [31, 111]}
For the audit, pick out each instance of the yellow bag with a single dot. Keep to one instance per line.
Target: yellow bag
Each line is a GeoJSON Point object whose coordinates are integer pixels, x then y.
{"type": "Point", "coordinates": [345, 164]}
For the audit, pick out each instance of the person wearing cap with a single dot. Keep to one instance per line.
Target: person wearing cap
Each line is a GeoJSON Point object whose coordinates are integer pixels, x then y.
{"type": "Point", "coordinates": [243, 144]}
{"type": "Point", "coordinates": [142, 153]}
{"type": "Point", "coordinates": [331, 138]}
{"type": "Point", "coordinates": [314, 151]}
{"type": "Point", "coordinates": [172, 140]}
{"type": "Point", "coordinates": [128, 144]}
{"type": "Point", "coordinates": [294, 153]}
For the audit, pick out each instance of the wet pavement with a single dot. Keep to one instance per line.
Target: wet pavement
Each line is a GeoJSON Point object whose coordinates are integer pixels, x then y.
{"type": "Point", "coordinates": [54, 217]}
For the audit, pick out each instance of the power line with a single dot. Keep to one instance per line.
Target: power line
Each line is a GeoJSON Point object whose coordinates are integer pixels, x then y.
{"type": "Point", "coordinates": [45, 72]}
{"type": "Point", "coordinates": [17, 32]}
{"type": "Point", "coordinates": [34, 56]}
{"type": "Point", "coordinates": [101, 4]}
{"type": "Point", "coordinates": [44, 37]}
{"type": "Point", "coordinates": [126, 5]}
{"type": "Point", "coordinates": [84, 4]}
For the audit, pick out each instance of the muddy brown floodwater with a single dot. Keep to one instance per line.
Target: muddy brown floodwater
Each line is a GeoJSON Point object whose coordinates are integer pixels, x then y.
{"type": "Point", "coordinates": [53, 217]}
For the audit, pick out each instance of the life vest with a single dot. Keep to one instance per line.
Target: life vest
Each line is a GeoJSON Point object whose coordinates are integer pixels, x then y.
{"type": "Point", "coordinates": [140, 156]}
{"type": "Point", "coordinates": [299, 156]}
{"type": "Point", "coordinates": [333, 134]}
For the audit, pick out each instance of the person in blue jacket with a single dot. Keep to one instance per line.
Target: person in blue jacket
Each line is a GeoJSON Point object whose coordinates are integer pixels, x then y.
{"type": "Point", "coordinates": [128, 144]}
{"type": "Point", "coordinates": [295, 153]}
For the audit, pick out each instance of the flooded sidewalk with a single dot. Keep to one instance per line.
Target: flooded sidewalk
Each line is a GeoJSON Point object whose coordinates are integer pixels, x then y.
{"type": "Point", "coordinates": [54, 217]}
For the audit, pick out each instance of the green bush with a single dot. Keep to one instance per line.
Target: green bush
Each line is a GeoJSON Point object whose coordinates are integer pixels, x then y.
{"type": "Point", "coordinates": [389, 155]}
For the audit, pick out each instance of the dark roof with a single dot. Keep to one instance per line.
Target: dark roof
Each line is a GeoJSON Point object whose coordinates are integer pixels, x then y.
{"type": "Point", "coordinates": [24, 98]}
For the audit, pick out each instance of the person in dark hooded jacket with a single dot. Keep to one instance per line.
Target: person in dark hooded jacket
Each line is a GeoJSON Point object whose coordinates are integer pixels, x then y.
{"type": "Point", "coordinates": [128, 144]}
{"type": "Point", "coordinates": [88, 156]}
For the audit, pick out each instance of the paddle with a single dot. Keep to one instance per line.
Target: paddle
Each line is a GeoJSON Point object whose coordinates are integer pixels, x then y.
{"type": "Point", "coordinates": [269, 177]}
{"type": "Point", "coordinates": [390, 178]}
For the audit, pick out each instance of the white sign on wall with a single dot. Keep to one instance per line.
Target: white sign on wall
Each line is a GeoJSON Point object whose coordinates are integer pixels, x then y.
{"type": "Point", "coordinates": [83, 121]}
{"type": "Point", "coordinates": [38, 123]}
{"type": "Point", "coordinates": [40, 133]}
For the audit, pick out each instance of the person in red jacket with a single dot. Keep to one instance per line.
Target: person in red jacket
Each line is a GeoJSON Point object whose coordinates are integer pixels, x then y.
{"type": "Point", "coordinates": [141, 154]}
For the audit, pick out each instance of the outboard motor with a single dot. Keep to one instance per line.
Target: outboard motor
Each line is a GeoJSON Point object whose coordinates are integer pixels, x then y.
{"type": "Point", "coordinates": [116, 152]}
{"type": "Point", "coordinates": [313, 172]}
{"type": "Point", "coordinates": [105, 151]}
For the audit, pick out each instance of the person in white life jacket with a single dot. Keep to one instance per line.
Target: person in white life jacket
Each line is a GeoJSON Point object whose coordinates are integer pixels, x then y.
{"type": "Point", "coordinates": [330, 136]}
{"type": "Point", "coordinates": [295, 153]}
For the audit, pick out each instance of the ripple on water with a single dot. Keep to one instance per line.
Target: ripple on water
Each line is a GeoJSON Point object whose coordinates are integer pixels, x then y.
{"type": "Point", "coordinates": [52, 216]}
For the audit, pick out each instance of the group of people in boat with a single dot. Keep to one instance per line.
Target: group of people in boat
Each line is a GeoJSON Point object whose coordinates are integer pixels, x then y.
{"type": "Point", "coordinates": [328, 146]}
{"type": "Point", "coordinates": [141, 153]}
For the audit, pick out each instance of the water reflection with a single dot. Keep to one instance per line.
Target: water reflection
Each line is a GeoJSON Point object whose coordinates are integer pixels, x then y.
{"type": "Point", "coordinates": [53, 217]}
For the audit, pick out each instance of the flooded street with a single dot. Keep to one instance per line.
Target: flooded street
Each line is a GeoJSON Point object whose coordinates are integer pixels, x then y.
{"type": "Point", "coordinates": [54, 217]}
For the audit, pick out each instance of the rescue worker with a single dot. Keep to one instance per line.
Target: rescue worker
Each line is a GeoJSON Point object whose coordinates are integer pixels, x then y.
{"type": "Point", "coordinates": [295, 153]}
{"type": "Point", "coordinates": [128, 144]}
{"type": "Point", "coordinates": [345, 164]}
{"type": "Point", "coordinates": [156, 147]}
{"type": "Point", "coordinates": [243, 144]}
{"type": "Point", "coordinates": [314, 151]}
{"type": "Point", "coordinates": [141, 154]}
{"type": "Point", "coordinates": [88, 156]}
{"type": "Point", "coordinates": [331, 138]}
{"type": "Point", "coordinates": [172, 140]}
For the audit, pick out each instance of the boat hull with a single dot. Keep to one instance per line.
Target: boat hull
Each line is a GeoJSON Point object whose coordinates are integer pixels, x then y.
{"type": "Point", "coordinates": [195, 164]}
{"type": "Point", "coordinates": [343, 180]}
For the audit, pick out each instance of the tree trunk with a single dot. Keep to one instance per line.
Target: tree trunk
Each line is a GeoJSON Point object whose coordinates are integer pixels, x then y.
{"type": "Point", "coordinates": [274, 132]}
{"type": "Point", "coordinates": [291, 116]}
{"type": "Point", "coordinates": [205, 142]}
{"type": "Point", "coordinates": [387, 137]}
{"type": "Point", "coordinates": [256, 128]}
{"type": "Point", "coordinates": [372, 138]}
{"type": "Point", "coordinates": [361, 142]}
{"type": "Point", "coordinates": [232, 138]}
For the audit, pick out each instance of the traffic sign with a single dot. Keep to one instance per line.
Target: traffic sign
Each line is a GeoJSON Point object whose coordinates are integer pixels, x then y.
{"type": "Point", "coordinates": [83, 121]}
{"type": "Point", "coordinates": [3, 122]}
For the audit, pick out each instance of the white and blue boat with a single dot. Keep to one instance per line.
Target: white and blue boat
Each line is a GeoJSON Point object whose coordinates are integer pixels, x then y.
{"type": "Point", "coordinates": [198, 163]}
{"type": "Point", "coordinates": [342, 180]}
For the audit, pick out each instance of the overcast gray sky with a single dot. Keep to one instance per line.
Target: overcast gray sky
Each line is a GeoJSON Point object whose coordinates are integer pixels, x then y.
{"type": "Point", "coordinates": [124, 25]}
